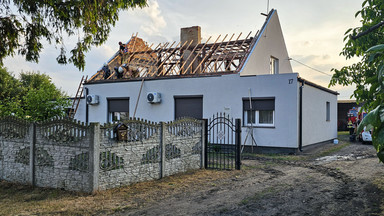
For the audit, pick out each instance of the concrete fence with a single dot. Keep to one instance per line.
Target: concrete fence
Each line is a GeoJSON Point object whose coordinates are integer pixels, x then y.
{"type": "Point", "coordinates": [63, 153]}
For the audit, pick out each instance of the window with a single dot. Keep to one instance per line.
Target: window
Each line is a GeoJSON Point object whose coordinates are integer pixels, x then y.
{"type": "Point", "coordinates": [259, 112]}
{"type": "Point", "coordinates": [189, 106]}
{"type": "Point", "coordinates": [328, 111]}
{"type": "Point", "coordinates": [118, 109]}
{"type": "Point", "coordinates": [274, 65]}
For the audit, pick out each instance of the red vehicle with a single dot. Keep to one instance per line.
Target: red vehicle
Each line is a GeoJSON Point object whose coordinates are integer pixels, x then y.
{"type": "Point", "coordinates": [355, 116]}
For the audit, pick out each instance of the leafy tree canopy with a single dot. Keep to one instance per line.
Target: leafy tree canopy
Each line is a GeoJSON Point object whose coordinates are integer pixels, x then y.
{"type": "Point", "coordinates": [33, 96]}
{"type": "Point", "coordinates": [367, 42]}
{"type": "Point", "coordinates": [24, 24]}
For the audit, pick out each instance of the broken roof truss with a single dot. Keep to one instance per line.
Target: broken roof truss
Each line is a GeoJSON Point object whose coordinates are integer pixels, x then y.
{"type": "Point", "coordinates": [226, 54]}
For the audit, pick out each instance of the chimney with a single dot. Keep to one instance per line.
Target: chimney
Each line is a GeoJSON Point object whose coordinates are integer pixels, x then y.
{"type": "Point", "coordinates": [189, 34]}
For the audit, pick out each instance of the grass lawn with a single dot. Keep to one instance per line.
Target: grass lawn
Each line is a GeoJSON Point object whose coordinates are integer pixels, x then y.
{"type": "Point", "coordinates": [18, 199]}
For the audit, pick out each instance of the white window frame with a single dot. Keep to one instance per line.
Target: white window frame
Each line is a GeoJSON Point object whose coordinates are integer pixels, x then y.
{"type": "Point", "coordinates": [274, 65]}
{"type": "Point", "coordinates": [257, 118]}
{"type": "Point", "coordinates": [111, 114]}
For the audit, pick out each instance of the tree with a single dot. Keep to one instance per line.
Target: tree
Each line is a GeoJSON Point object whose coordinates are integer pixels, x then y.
{"type": "Point", "coordinates": [33, 96]}
{"type": "Point", "coordinates": [24, 24]}
{"type": "Point", "coordinates": [367, 43]}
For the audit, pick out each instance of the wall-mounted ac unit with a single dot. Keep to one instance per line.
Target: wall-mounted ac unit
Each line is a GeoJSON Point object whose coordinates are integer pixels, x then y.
{"type": "Point", "coordinates": [153, 97]}
{"type": "Point", "coordinates": [92, 99]}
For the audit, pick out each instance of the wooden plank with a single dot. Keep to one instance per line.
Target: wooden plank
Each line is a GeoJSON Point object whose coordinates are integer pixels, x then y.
{"type": "Point", "coordinates": [133, 58]}
{"type": "Point", "coordinates": [159, 58]}
{"type": "Point", "coordinates": [181, 57]}
{"type": "Point", "coordinates": [171, 54]}
{"type": "Point", "coordinates": [150, 63]}
{"type": "Point", "coordinates": [183, 72]}
{"type": "Point", "coordinates": [210, 51]}
{"type": "Point", "coordinates": [229, 64]}
{"type": "Point", "coordinates": [95, 75]}
{"type": "Point", "coordinates": [226, 55]}
{"type": "Point", "coordinates": [126, 45]}
{"type": "Point", "coordinates": [167, 57]}
{"type": "Point", "coordinates": [144, 65]}
{"type": "Point", "coordinates": [170, 64]}
{"type": "Point", "coordinates": [214, 64]}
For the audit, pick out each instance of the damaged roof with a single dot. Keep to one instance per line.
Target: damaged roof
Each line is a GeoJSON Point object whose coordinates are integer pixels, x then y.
{"type": "Point", "coordinates": [226, 54]}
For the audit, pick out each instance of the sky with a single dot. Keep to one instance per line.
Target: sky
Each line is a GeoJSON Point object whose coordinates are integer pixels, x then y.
{"type": "Point", "coordinates": [313, 33]}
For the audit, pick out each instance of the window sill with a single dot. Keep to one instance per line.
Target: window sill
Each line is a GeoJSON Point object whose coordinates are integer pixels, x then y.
{"type": "Point", "coordinates": [271, 127]}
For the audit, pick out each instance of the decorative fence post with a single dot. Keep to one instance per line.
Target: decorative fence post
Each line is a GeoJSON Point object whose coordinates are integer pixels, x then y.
{"type": "Point", "coordinates": [162, 149]}
{"type": "Point", "coordinates": [238, 143]}
{"type": "Point", "coordinates": [94, 153]}
{"type": "Point", "coordinates": [32, 135]}
{"type": "Point", "coordinates": [204, 148]}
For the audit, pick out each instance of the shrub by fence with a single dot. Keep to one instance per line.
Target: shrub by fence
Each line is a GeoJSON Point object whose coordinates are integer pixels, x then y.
{"type": "Point", "coordinates": [63, 153]}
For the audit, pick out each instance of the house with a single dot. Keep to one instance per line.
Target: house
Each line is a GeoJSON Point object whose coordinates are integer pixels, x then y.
{"type": "Point", "coordinates": [249, 78]}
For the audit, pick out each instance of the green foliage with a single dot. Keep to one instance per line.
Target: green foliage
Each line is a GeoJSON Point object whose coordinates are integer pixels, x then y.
{"type": "Point", "coordinates": [367, 42]}
{"type": "Point", "coordinates": [24, 24]}
{"type": "Point", "coordinates": [33, 96]}
{"type": "Point", "coordinates": [374, 120]}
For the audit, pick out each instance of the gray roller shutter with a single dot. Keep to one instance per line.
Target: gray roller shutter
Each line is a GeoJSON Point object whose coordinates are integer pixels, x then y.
{"type": "Point", "coordinates": [189, 107]}
{"type": "Point", "coordinates": [118, 105]}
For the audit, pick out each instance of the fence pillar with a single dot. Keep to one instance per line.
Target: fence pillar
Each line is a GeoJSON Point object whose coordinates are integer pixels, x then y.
{"type": "Point", "coordinates": [94, 156]}
{"type": "Point", "coordinates": [32, 145]}
{"type": "Point", "coordinates": [204, 147]}
{"type": "Point", "coordinates": [238, 143]}
{"type": "Point", "coordinates": [162, 149]}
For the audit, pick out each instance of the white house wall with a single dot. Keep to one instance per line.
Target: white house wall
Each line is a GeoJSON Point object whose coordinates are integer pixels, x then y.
{"type": "Point", "coordinates": [219, 93]}
{"type": "Point", "coordinates": [315, 127]}
{"type": "Point", "coordinates": [270, 43]}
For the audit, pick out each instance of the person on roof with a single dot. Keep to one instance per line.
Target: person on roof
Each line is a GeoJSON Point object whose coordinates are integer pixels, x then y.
{"type": "Point", "coordinates": [122, 47]}
{"type": "Point", "coordinates": [106, 70]}
{"type": "Point", "coordinates": [120, 71]}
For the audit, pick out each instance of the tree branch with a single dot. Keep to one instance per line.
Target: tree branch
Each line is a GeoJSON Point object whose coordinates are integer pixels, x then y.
{"type": "Point", "coordinates": [368, 30]}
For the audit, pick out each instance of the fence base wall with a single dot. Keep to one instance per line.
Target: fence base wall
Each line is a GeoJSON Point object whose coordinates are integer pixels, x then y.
{"type": "Point", "coordinates": [62, 153]}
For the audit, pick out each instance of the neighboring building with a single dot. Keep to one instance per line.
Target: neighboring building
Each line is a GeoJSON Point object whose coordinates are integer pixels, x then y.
{"type": "Point", "coordinates": [250, 79]}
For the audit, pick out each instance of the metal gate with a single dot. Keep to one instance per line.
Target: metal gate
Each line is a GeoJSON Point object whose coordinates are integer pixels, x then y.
{"type": "Point", "coordinates": [222, 149]}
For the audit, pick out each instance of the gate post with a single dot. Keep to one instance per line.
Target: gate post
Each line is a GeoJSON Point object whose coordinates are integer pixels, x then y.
{"type": "Point", "coordinates": [32, 146]}
{"type": "Point", "coordinates": [238, 143]}
{"type": "Point", "coordinates": [205, 146]}
{"type": "Point", "coordinates": [94, 156]}
{"type": "Point", "coordinates": [162, 150]}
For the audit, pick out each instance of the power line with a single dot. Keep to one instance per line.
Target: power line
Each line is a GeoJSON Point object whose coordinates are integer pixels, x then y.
{"type": "Point", "coordinates": [310, 67]}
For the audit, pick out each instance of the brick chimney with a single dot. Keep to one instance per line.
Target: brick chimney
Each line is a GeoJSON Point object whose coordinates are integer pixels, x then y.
{"type": "Point", "coordinates": [190, 34]}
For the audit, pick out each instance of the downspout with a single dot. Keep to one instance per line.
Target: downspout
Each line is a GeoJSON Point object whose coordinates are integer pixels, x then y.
{"type": "Point", "coordinates": [86, 105]}
{"type": "Point", "coordinates": [301, 116]}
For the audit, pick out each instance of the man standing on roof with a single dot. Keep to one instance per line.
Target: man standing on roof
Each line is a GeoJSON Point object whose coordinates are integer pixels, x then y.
{"type": "Point", "coordinates": [122, 47]}
{"type": "Point", "coordinates": [122, 51]}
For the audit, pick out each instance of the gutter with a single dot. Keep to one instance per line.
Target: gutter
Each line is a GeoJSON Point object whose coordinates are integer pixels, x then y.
{"type": "Point", "coordinates": [301, 115]}
{"type": "Point", "coordinates": [86, 105]}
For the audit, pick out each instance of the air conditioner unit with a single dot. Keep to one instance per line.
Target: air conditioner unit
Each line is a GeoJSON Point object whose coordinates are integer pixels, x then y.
{"type": "Point", "coordinates": [153, 97]}
{"type": "Point", "coordinates": [92, 99]}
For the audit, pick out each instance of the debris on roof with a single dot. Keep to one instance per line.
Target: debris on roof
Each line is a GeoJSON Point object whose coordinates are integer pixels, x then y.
{"type": "Point", "coordinates": [189, 57]}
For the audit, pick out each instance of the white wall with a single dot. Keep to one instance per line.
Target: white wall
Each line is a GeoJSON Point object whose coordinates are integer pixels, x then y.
{"type": "Point", "coordinates": [315, 127]}
{"type": "Point", "coordinates": [218, 92]}
{"type": "Point", "coordinates": [270, 43]}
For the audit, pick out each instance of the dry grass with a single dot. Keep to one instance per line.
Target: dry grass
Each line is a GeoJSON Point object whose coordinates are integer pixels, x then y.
{"type": "Point", "coordinates": [25, 200]}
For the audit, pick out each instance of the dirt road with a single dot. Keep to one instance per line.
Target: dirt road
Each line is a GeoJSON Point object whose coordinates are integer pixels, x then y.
{"type": "Point", "coordinates": [344, 182]}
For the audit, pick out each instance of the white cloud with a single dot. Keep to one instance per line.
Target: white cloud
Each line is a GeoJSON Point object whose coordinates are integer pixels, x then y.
{"type": "Point", "coordinates": [156, 21]}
